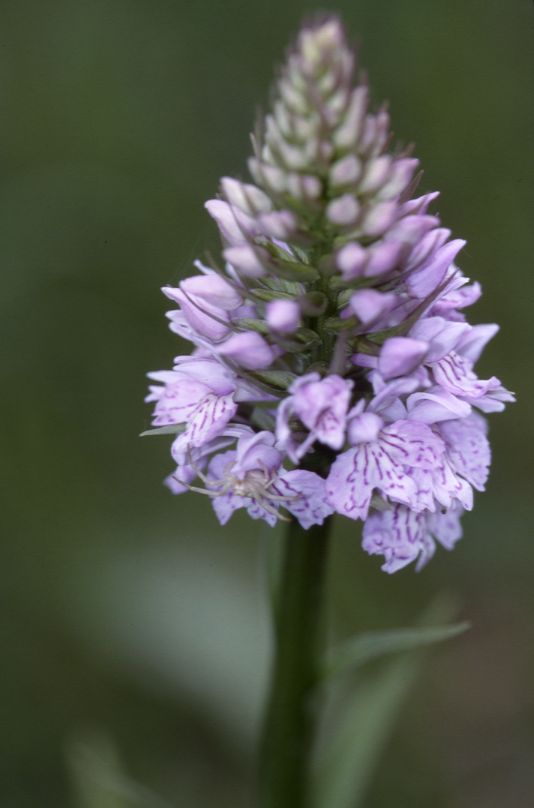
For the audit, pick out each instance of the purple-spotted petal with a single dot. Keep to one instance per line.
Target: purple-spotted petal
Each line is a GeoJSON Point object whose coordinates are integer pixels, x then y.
{"type": "Point", "coordinates": [306, 496]}
{"type": "Point", "coordinates": [384, 465]}
{"type": "Point", "coordinates": [454, 374]}
{"type": "Point", "coordinates": [468, 448]}
{"type": "Point", "coordinates": [207, 421]}
{"type": "Point", "coordinates": [226, 505]}
{"type": "Point", "coordinates": [176, 399]}
{"type": "Point", "coordinates": [402, 536]}
{"type": "Point", "coordinates": [399, 535]}
{"type": "Point", "coordinates": [321, 405]}
{"type": "Point", "coordinates": [356, 474]}
{"type": "Point", "coordinates": [441, 486]}
{"type": "Point", "coordinates": [446, 527]}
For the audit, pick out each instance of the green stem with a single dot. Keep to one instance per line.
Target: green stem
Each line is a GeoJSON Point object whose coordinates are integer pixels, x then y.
{"type": "Point", "coordinates": [292, 704]}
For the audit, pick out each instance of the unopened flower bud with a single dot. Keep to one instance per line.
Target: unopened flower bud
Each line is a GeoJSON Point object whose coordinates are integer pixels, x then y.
{"type": "Point", "coordinates": [283, 316]}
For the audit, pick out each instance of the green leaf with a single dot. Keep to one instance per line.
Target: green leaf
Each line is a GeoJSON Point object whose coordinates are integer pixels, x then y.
{"type": "Point", "coordinates": [338, 283]}
{"type": "Point", "coordinates": [293, 271]}
{"type": "Point", "coordinates": [260, 326]}
{"type": "Point", "coordinates": [286, 287]}
{"type": "Point", "coordinates": [277, 378]}
{"type": "Point", "coordinates": [314, 303]}
{"type": "Point", "coordinates": [175, 429]}
{"type": "Point", "coordinates": [362, 718]}
{"type": "Point", "coordinates": [365, 727]}
{"type": "Point", "coordinates": [338, 324]}
{"type": "Point", "coordinates": [364, 648]}
{"type": "Point", "coordinates": [363, 345]}
{"type": "Point", "coordinates": [98, 779]}
{"type": "Point", "coordinates": [263, 418]}
{"type": "Point", "coordinates": [270, 294]}
{"type": "Point", "coordinates": [307, 336]}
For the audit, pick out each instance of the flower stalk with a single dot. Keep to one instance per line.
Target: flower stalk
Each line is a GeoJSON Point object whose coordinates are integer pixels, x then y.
{"type": "Point", "coordinates": [292, 706]}
{"type": "Point", "coordinates": [332, 367]}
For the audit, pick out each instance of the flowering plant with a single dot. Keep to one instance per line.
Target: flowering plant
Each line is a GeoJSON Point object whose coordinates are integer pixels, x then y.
{"type": "Point", "coordinates": [333, 365]}
{"type": "Point", "coordinates": [332, 368]}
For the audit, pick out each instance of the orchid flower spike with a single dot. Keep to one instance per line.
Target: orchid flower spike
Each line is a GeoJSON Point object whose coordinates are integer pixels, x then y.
{"type": "Point", "coordinates": [332, 367]}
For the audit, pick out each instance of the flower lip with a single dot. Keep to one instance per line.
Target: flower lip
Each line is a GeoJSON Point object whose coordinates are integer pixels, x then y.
{"type": "Point", "coordinates": [321, 405]}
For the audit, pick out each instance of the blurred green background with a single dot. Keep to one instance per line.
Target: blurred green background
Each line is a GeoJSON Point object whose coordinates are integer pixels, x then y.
{"type": "Point", "coordinates": [135, 636]}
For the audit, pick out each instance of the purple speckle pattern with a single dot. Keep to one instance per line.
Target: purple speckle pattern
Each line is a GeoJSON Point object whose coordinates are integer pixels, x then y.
{"type": "Point", "coordinates": [331, 333]}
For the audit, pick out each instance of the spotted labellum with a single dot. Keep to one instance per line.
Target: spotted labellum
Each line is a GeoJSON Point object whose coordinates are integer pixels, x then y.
{"type": "Point", "coordinates": [332, 365]}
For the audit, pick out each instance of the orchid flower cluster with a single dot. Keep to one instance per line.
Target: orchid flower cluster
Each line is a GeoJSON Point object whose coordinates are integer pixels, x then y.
{"type": "Point", "coordinates": [333, 365]}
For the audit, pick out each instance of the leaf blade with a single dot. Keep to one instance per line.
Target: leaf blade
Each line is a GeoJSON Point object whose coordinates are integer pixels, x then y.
{"type": "Point", "coordinates": [364, 648]}
{"type": "Point", "coordinates": [174, 429]}
{"type": "Point", "coordinates": [365, 721]}
{"type": "Point", "coordinates": [347, 771]}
